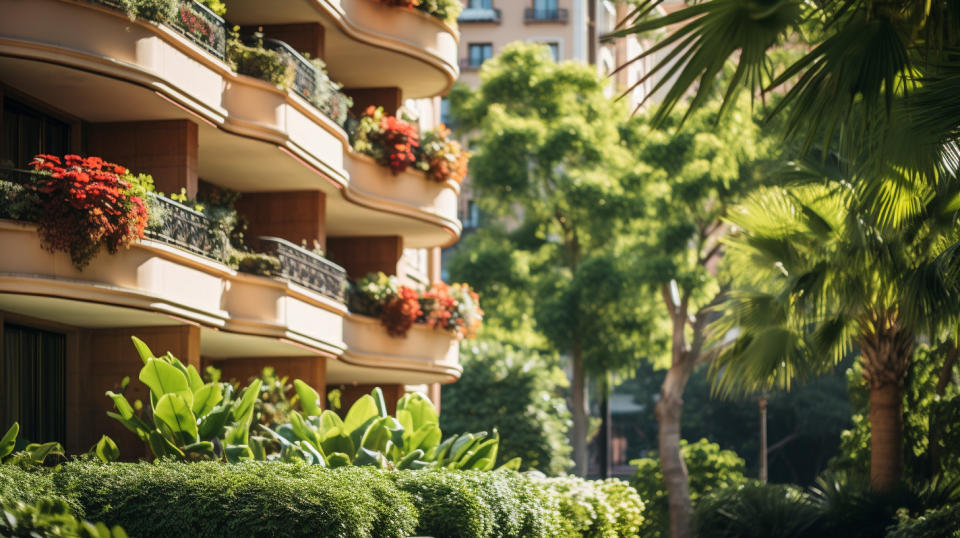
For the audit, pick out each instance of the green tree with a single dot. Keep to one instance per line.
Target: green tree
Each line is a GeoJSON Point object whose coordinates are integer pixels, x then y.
{"type": "Point", "coordinates": [685, 181]}
{"type": "Point", "coordinates": [520, 393]}
{"type": "Point", "coordinates": [549, 160]}
{"type": "Point", "coordinates": [823, 279]}
{"type": "Point", "coordinates": [876, 79]}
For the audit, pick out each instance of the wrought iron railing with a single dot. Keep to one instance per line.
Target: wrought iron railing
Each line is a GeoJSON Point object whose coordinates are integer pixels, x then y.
{"type": "Point", "coordinates": [202, 26]}
{"type": "Point", "coordinates": [533, 15]}
{"type": "Point", "coordinates": [183, 227]}
{"type": "Point", "coordinates": [310, 81]}
{"type": "Point", "coordinates": [306, 268]}
{"type": "Point", "coordinates": [192, 19]}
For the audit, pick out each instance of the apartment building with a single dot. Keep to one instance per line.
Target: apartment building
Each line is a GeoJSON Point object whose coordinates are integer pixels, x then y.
{"type": "Point", "coordinates": [159, 95]}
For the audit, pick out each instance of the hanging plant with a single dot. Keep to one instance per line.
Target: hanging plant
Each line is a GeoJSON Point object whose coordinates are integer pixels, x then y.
{"type": "Point", "coordinates": [86, 205]}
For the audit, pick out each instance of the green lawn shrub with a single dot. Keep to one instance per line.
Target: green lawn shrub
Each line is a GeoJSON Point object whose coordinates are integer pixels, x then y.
{"type": "Point", "coordinates": [246, 499]}
{"type": "Point", "coordinates": [595, 508]}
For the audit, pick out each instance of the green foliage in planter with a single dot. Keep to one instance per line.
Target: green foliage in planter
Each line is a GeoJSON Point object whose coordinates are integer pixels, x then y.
{"type": "Point", "coordinates": [18, 203]}
{"type": "Point", "coordinates": [448, 10]}
{"type": "Point", "coordinates": [608, 507]}
{"type": "Point", "coordinates": [247, 499]}
{"type": "Point", "coordinates": [258, 62]}
{"type": "Point", "coordinates": [518, 393]}
{"type": "Point", "coordinates": [710, 469]}
{"type": "Point", "coordinates": [151, 10]}
{"type": "Point", "coordinates": [189, 419]}
{"type": "Point", "coordinates": [255, 263]}
{"type": "Point", "coordinates": [216, 6]}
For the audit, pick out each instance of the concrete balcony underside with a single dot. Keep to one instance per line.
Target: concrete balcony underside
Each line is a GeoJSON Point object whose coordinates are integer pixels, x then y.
{"type": "Point", "coordinates": [368, 44]}
{"type": "Point", "coordinates": [252, 136]}
{"type": "Point", "coordinates": [239, 315]}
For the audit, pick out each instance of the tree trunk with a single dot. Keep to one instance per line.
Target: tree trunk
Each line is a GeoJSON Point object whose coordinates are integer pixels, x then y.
{"type": "Point", "coordinates": [669, 410]}
{"type": "Point", "coordinates": [886, 350]}
{"type": "Point", "coordinates": [886, 436]}
{"type": "Point", "coordinates": [578, 408]}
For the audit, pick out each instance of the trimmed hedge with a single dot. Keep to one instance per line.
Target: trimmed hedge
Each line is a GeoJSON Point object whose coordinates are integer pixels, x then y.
{"type": "Point", "coordinates": [288, 499]}
{"type": "Point", "coordinates": [248, 499]}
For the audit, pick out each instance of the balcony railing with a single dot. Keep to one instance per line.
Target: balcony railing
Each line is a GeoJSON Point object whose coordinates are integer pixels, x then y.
{"type": "Point", "coordinates": [306, 268]}
{"type": "Point", "coordinates": [192, 19]}
{"type": "Point", "coordinates": [183, 227]}
{"type": "Point", "coordinates": [309, 80]}
{"type": "Point", "coordinates": [533, 15]}
{"type": "Point", "coordinates": [478, 14]}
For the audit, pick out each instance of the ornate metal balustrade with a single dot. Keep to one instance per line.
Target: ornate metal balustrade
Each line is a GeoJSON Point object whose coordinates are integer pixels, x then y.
{"type": "Point", "coordinates": [306, 268]}
{"type": "Point", "coordinates": [202, 26]}
{"type": "Point", "coordinates": [178, 225]}
{"type": "Point", "coordinates": [192, 19]}
{"type": "Point", "coordinates": [310, 81]}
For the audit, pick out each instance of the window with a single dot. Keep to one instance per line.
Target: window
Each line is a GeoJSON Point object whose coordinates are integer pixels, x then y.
{"type": "Point", "coordinates": [28, 132]}
{"type": "Point", "coordinates": [33, 383]}
{"type": "Point", "coordinates": [480, 4]}
{"type": "Point", "coordinates": [554, 49]}
{"type": "Point", "coordinates": [545, 6]}
{"type": "Point", "coordinates": [445, 111]}
{"type": "Point", "coordinates": [472, 217]}
{"type": "Point", "coordinates": [479, 53]}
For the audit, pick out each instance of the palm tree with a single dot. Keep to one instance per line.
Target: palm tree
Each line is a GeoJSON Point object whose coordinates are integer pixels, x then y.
{"type": "Point", "coordinates": [880, 79]}
{"type": "Point", "coordinates": [825, 280]}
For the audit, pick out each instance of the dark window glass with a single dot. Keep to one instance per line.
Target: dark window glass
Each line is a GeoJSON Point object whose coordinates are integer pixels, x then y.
{"type": "Point", "coordinates": [33, 383]}
{"type": "Point", "coordinates": [479, 53]}
{"type": "Point", "coordinates": [28, 131]}
{"type": "Point", "coordinates": [481, 4]}
{"type": "Point", "coordinates": [546, 6]}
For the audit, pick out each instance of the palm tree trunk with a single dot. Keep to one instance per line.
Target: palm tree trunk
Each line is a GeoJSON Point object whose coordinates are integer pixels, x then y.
{"type": "Point", "coordinates": [578, 409]}
{"type": "Point", "coordinates": [669, 410]}
{"type": "Point", "coordinates": [886, 350]}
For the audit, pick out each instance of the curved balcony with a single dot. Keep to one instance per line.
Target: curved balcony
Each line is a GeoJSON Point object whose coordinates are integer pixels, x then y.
{"type": "Point", "coordinates": [109, 69]}
{"type": "Point", "coordinates": [156, 283]}
{"type": "Point", "coordinates": [367, 44]}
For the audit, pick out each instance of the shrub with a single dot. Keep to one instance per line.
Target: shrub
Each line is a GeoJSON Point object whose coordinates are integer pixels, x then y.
{"type": "Point", "coordinates": [596, 508]}
{"type": "Point", "coordinates": [480, 504]}
{"type": "Point", "coordinates": [940, 523]}
{"type": "Point", "coordinates": [28, 486]}
{"type": "Point", "coordinates": [248, 499]}
{"type": "Point", "coordinates": [151, 10]}
{"type": "Point", "coordinates": [761, 511]}
{"type": "Point", "coordinates": [85, 205]}
{"type": "Point", "coordinates": [18, 202]}
{"type": "Point", "coordinates": [710, 469]}
{"type": "Point", "coordinates": [518, 393]}
{"type": "Point", "coordinates": [49, 517]}
{"type": "Point", "coordinates": [258, 62]}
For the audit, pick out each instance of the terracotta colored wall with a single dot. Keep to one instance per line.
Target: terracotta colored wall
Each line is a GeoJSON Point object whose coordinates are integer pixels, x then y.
{"type": "Point", "coordinates": [389, 98]}
{"type": "Point", "coordinates": [167, 150]}
{"type": "Point", "coordinates": [312, 370]}
{"type": "Point", "coordinates": [351, 393]}
{"type": "Point", "coordinates": [304, 37]}
{"type": "Point", "coordinates": [296, 216]}
{"type": "Point", "coordinates": [362, 255]}
{"type": "Point", "coordinates": [106, 356]}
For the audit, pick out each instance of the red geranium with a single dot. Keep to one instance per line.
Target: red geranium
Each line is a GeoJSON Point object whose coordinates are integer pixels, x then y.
{"type": "Point", "coordinates": [85, 204]}
{"type": "Point", "coordinates": [401, 311]}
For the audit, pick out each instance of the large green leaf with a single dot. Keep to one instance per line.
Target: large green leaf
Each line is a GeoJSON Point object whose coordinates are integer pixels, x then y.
{"type": "Point", "coordinates": [361, 413]}
{"type": "Point", "coordinates": [303, 430]}
{"type": "Point", "coordinates": [338, 459]}
{"type": "Point", "coordinates": [377, 395]}
{"type": "Point", "coordinates": [161, 447]}
{"type": "Point", "coordinates": [121, 403]}
{"type": "Point", "coordinates": [512, 465]}
{"type": "Point", "coordinates": [482, 457]}
{"type": "Point", "coordinates": [369, 457]}
{"type": "Point", "coordinates": [212, 425]}
{"type": "Point", "coordinates": [39, 452]}
{"type": "Point", "coordinates": [377, 435]}
{"type": "Point", "coordinates": [142, 349]}
{"type": "Point", "coordinates": [9, 440]}
{"type": "Point", "coordinates": [194, 379]}
{"type": "Point", "coordinates": [425, 438]}
{"type": "Point", "coordinates": [200, 450]}
{"type": "Point", "coordinates": [418, 410]}
{"type": "Point", "coordinates": [107, 450]}
{"type": "Point", "coordinates": [176, 414]}
{"type": "Point", "coordinates": [237, 453]}
{"type": "Point", "coordinates": [309, 399]}
{"type": "Point", "coordinates": [134, 424]}
{"type": "Point", "coordinates": [408, 460]}
{"type": "Point", "coordinates": [206, 398]}
{"type": "Point", "coordinates": [330, 420]}
{"type": "Point", "coordinates": [336, 440]}
{"type": "Point", "coordinates": [164, 378]}
{"type": "Point", "coordinates": [243, 410]}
